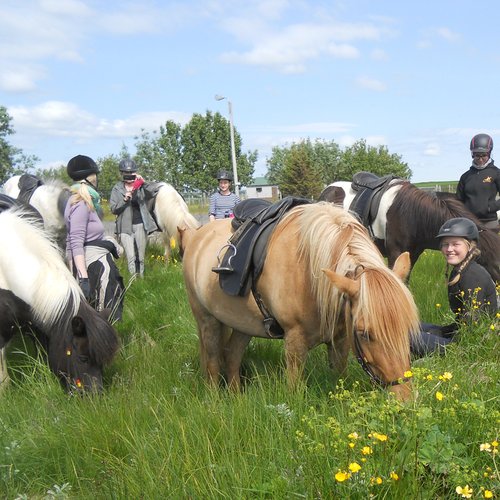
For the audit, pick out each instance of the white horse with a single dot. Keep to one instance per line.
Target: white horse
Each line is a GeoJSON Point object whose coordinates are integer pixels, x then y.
{"type": "Point", "coordinates": [49, 199]}
{"type": "Point", "coordinates": [79, 340]}
{"type": "Point", "coordinates": [172, 213]}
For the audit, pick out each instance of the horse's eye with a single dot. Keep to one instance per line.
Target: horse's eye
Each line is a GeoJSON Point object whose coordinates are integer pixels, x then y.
{"type": "Point", "coordinates": [364, 334]}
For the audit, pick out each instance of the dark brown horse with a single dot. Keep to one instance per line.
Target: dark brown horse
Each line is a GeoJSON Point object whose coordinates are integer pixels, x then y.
{"type": "Point", "coordinates": [409, 219]}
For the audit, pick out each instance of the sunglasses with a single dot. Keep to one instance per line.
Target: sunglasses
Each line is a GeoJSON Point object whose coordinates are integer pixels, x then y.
{"type": "Point", "coordinates": [480, 155]}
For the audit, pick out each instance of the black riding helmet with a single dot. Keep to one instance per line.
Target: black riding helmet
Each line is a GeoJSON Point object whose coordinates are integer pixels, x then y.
{"type": "Point", "coordinates": [224, 175]}
{"type": "Point", "coordinates": [481, 143]}
{"type": "Point", "coordinates": [80, 167]}
{"type": "Point", "coordinates": [461, 227]}
{"type": "Point", "coordinates": [128, 166]}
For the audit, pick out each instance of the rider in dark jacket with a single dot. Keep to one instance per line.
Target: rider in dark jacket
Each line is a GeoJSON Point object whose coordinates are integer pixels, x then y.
{"type": "Point", "coordinates": [478, 187]}
{"type": "Point", "coordinates": [471, 290]}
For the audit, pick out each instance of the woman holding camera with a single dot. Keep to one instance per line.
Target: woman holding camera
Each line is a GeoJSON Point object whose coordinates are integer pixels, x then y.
{"type": "Point", "coordinates": [133, 220]}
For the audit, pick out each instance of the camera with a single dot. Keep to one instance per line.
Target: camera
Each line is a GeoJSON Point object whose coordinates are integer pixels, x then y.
{"type": "Point", "coordinates": [129, 177]}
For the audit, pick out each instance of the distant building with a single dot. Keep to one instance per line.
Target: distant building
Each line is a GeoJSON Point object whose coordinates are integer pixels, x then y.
{"type": "Point", "coordinates": [261, 188]}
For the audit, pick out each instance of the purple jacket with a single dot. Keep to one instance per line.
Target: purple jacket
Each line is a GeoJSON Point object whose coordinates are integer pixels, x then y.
{"type": "Point", "coordinates": [83, 225]}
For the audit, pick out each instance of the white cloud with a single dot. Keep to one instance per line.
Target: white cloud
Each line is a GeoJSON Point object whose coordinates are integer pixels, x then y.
{"type": "Point", "coordinates": [432, 149]}
{"type": "Point", "coordinates": [371, 84]}
{"type": "Point", "coordinates": [448, 34]}
{"type": "Point", "coordinates": [289, 48]}
{"type": "Point", "coordinates": [379, 55]}
{"type": "Point", "coordinates": [18, 79]}
{"type": "Point", "coordinates": [65, 119]}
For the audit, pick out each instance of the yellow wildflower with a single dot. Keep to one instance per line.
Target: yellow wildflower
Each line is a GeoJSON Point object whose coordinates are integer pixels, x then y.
{"type": "Point", "coordinates": [408, 374]}
{"type": "Point", "coordinates": [438, 305]}
{"type": "Point", "coordinates": [439, 396]}
{"type": "Point", "coordinates": [376, 480]}
{"type": "Point", "coordinates": [173, 242]}
{"type": "Point", "coordinates": [447, 376]}
{"type": "Point", "coordinates": [354, 467]}
{"type": "Point", "coordinates": [429, 377]}
{"type": "Point", "coordinates": [394, 476]}
{"type": "Point", "coordinates": [466, 491]}
{"type": "Point", "coordinates": [352, 445]}
{"type": "Point", "coordinates": [380, 437]}
{"type": "Point", "coordinates": [342, 476]}
{"type": "Point", "coordinates": [494, 444]}
{"type": "Point", "coordinates": [366, 450]}
{"type": "Point", "coordinates": [485, 447]}
{"type": "Point", "coordinates": [488, 494]}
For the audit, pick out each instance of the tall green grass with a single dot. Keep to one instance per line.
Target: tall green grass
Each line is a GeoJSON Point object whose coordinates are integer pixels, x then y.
{"type": "Point", "coordinates": [159, 432]}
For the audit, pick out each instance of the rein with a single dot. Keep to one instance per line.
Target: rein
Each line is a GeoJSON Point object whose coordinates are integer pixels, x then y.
{"type": "Point", "coordinates": [358, 351]}
{"type": "Point", "coordinates": [367, 368]}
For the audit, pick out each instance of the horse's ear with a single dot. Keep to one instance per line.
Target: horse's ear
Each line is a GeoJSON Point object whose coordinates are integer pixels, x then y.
{"type": "Point", "coordinates": [343, 283]}
{"type": "Point", "coordinates": [402, 266]}
{"type": "Point", "coordinates": [78, 327]}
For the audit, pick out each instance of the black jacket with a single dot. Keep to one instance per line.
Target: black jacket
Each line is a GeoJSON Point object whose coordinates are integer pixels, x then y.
{"type": "Point", "coordinates": [477, 189]}
{"type": "Point", "coordinates": [474, 289]}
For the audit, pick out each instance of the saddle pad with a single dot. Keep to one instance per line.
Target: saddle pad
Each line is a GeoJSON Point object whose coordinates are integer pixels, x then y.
{"type": "Point", "coordinates": [251, 240]}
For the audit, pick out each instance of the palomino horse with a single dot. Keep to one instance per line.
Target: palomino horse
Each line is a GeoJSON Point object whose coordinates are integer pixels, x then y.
{"type": "Point", "coordinates": [37, 288]}
{"type": "Point", "coordinates": [409, 218]}
{"type": "Point", "coordinates": [323, 281]}
{"type": "Point", "coordinates": [49, 199]}
{"type": "Point", "coordinates": [171, 212]}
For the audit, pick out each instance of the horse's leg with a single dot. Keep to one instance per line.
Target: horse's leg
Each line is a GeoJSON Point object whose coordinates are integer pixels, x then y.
{"type": "Point", "coordinates": [233, 356]}
{"type": "Point", "coordinates": [296, 349]}
{"type": "Point", "coordinates": [4, 376]}
{"type": "Point", "coordinates": [211, 347]}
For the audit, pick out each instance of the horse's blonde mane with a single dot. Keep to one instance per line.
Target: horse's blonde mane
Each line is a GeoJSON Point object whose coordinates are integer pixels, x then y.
{"type": "Point", "coordinates": [172, 212]}
{"type": "Point", "coordinates": [330, 237]}
{"type": "Point", "coordinates": [53, 287]}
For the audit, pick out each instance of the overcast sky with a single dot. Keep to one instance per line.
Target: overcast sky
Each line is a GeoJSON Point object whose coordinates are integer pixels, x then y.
{"type": "Point", "coordinates": [86, 76]}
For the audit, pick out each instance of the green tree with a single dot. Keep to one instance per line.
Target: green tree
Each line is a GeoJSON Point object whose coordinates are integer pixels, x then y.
{"type": "Point", "coordinates": [377, 160]}
{"type": "Point", "coordinates": [325, 155]}
{"type": "Point", "coordinates": [159, 154]}
{"type": "Point", "coordinates": [12, 160]}
{"type": "Point", "coordinates": [301, 176]}
{"type": "Point", "coordinates": [332, 164]}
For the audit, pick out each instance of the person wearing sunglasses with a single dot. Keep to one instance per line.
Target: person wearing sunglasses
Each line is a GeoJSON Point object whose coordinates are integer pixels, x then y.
{"type": "Point", "coordinates": [479, 186]}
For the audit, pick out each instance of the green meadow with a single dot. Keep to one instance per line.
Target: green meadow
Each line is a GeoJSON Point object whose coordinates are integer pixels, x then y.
{"type": "Point", "coordinates": [159, 431]}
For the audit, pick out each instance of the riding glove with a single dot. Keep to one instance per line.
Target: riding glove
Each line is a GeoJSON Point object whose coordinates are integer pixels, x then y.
{"type": "Point", "coordinates": [85, 286]}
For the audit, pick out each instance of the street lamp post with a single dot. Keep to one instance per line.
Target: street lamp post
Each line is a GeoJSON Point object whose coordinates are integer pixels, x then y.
{"type": "Point", "coordinates": [233, 149]}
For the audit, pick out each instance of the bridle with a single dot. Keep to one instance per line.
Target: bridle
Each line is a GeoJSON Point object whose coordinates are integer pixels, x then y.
{"type": "Point", "coordinates": [358, 352]}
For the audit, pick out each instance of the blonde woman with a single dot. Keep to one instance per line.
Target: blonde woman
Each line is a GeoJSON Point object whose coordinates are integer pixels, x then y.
{"type": "Point", "coordinates": [471, 290]}
{"type": "Point", "coordinates": [90, 253]}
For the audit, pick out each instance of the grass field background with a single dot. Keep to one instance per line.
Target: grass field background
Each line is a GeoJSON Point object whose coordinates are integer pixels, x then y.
{"type": "Point", "coordinates": [159, 432]}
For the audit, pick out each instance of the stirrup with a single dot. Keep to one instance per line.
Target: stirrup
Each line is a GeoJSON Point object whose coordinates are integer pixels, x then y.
{"type": "Point", "coordinates": [227, 269]}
